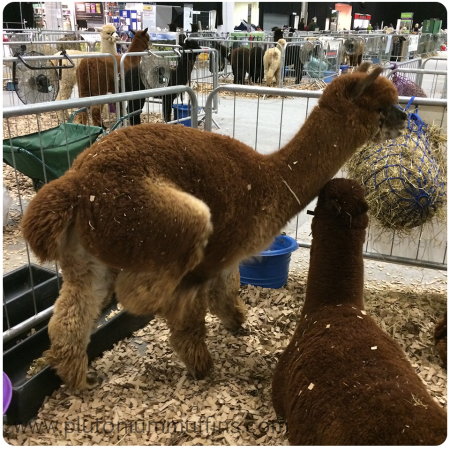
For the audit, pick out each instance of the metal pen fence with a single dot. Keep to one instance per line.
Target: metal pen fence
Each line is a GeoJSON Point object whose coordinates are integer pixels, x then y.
{"type": "Point", "coordinates": [268, 125]}
{"type": "Point", "coordinates": [203, 76]}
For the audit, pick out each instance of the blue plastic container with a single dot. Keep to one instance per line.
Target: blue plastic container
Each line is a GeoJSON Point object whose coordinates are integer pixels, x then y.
{"type": "Point", "coordinates": [271, 268]}
{"type": "Point", "coordinates": [182, 111]}
{"type": "Point", "coordinates": [328, 75]}
{"type": "Point", "coordinates": [344, 68]}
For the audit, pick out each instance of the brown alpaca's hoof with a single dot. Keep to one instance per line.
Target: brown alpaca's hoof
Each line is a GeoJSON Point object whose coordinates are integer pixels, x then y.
{"type": "Point", "coordinates": [202, 368]}
{"type": "Point", "coordinates": [72, 371]}
{"type": "Point", "coordinates": [198, 361]}
{"type": "Point", "coordinates": [239, 331]}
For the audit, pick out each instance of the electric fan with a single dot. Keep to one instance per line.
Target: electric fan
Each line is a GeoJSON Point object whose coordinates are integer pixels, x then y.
{"type": "Point", "coordinates": [155, 71]}
{"type": "Point", "coordinates": [21, 46]}
{"type": "Point", "coordinates": [35, 84]}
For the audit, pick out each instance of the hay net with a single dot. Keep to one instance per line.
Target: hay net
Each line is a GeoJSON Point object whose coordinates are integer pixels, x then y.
{"type": "Point", "coordinates": [404, 183]}
{"type": "Point", "coordinates": [404, 85]}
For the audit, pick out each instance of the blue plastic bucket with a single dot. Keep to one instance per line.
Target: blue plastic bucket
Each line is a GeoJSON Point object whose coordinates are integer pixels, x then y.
{"type": "Point", "coordinates": [344, 68]}
{"type": "Point", "coordinates": [328, 76]}
{"type": "Point", "coordinates": [182, 111]}
{"type": "Point", "coordinates": [271, 268]}
{"type": "Point", "coordinates": [375, 60]}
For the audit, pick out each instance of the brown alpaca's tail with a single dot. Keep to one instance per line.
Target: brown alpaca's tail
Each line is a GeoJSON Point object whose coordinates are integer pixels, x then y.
{"type": "Point", "coordinates": [48, 217]}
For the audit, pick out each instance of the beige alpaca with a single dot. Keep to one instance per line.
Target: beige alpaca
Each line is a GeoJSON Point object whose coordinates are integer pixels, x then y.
{"type": "Point", "coordinates": [272, 59]}
{"type": "Point", "coordinates": [109, 38]}
{"type": "Point", "coordinates": [144, 211]}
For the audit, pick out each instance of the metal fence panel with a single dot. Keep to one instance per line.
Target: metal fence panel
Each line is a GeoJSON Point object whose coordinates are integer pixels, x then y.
{"type": "Point", "coordinates": [50, 152]}
{"type": "Point", "coordinates": [267, 125]}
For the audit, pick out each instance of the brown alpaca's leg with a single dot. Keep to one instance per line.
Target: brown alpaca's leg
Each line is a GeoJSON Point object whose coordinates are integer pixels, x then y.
{"type": "Point", "coordinates": [186, 320]}
{"type": "Point", "coordinates": [97, 116]}
{"type": "Point", "coordinates": [224, 301]}
{"type": "Point", "coordinates": [87, 284]}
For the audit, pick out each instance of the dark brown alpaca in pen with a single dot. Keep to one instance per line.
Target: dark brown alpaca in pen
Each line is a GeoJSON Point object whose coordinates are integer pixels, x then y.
{"type": "Point", "coordinates": [342, 380]}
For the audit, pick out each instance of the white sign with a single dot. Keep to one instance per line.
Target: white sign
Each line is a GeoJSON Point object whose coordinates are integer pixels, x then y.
{"type": "Point", "coordinates": [187, 16]}
{"type": "Point", "coordinates": [149, 17]}
{"type": "Point", "coordinates": [413, 42]}
{"type": "Point", "coordinates": [388, 45]}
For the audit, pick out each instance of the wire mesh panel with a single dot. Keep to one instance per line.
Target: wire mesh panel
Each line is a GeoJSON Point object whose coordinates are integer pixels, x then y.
{"type": "Point", "coordinates": [267, 124]}
{"type": "Point", "coordinates": [156, 69]}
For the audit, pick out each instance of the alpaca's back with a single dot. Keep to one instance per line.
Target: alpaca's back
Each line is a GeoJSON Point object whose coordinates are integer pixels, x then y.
{"type": "Point", "coordinates": [343, 381]}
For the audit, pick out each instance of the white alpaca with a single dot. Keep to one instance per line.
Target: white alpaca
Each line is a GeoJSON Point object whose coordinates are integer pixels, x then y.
{"type": "Point", "coordinates": [272, 59]}
{"type": "Point", "coordinates": [68, 81]}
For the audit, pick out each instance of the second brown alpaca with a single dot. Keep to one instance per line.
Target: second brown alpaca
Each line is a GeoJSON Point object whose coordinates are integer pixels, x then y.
{"type": "Point", "coordinates": [342, 380]}
{"type": "Point", "coordinates": [96, 75]}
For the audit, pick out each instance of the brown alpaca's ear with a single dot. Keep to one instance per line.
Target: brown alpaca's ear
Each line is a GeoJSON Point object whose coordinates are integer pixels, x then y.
{"type": "Point", "coordinates": [145, 31]}
{"type": "Point", "coordinates": [362, 85]}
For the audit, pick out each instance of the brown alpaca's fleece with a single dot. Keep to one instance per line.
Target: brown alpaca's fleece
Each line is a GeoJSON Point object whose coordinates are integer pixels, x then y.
{"type": "Point", "coordinates": [96, 75]}
{"type": "Point", "coordinates": [173, 210]}
{"type": "Point", "coordinates": [342, 380]}
{"type": "Point", "coordinates": [440, 338]}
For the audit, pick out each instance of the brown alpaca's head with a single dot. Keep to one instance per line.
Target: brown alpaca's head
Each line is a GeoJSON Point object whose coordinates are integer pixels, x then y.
{"type": "Point", "coordinates": [367, 102]}
{"type": "Point", "coordinates": [341, 202]}
{"type": "Point", "coordinates": [140, 41]}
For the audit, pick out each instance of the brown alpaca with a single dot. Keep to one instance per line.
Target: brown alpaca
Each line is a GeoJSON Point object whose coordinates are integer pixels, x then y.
{"type": "Point", "coordinates": [68, 80]}
{"type": "Point", "coordinates": [440, 338]}
{"type": "Point", "coordinates": [240, 63]}
{"type": "Point", "coordinates": [163, 205]}
{"type": "Point", "coordinates": [272, 60]}
{"type": "Point", "coordinates": [342, 380]}
{"type": "Point", "coordinates": [96, 75]}
{"type": "Point", "coordinates": [353, 52]}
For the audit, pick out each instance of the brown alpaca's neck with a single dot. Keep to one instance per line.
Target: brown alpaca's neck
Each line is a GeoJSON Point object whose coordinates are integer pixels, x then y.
{"type": "Point", "coordinates": [133, 61]}
{"type": "Point", "coordinates": [336, 268]}
{"type": "Point", "coordinates": [312, 158]}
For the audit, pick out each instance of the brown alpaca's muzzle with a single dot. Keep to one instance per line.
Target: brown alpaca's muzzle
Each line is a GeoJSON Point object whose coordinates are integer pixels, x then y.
{"type": "Point", "coordinates": [392, 124]}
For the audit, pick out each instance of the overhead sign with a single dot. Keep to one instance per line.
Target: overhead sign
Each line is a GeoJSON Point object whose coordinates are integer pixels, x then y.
{"type": "Point", "coordinates": [363, 16]}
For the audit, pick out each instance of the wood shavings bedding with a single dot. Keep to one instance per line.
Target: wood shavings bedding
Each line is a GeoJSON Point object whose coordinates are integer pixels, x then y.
{"type": "Point", "coordinates": [144, 384]}
{"type": "Point", "coordinates": [306, 85]}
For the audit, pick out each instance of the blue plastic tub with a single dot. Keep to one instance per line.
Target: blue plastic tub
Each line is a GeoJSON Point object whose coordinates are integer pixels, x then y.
{"type": "Point", "coordinates": [271, 268]}
{"type": "Point", "coordinates": [182, 111]}
{"type": "Point", "coordinates": [328, 75]}
{"type": "Point", "coordinates": [344, 68]}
